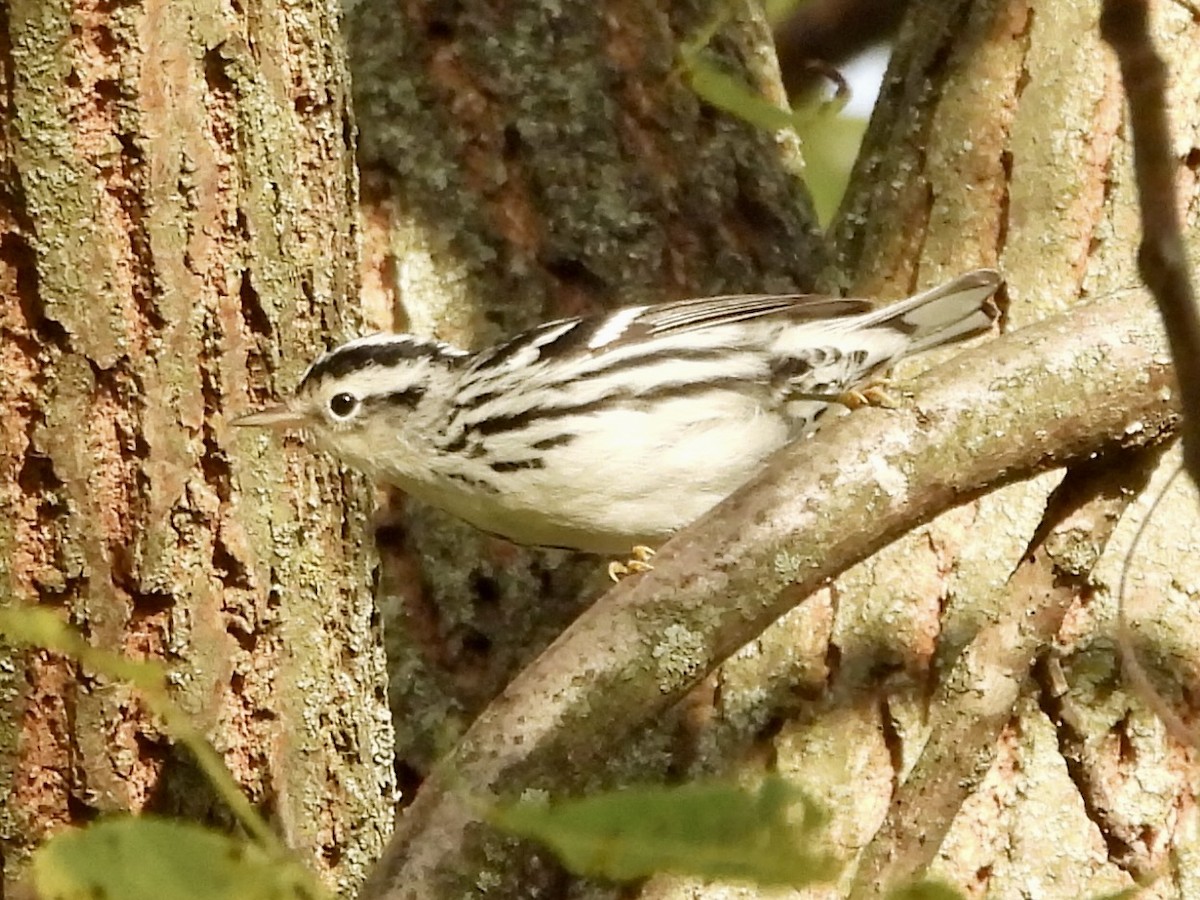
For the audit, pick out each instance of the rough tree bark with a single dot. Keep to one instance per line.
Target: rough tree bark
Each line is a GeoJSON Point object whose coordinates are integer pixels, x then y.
{"type": "Point", "coordinates": [904, 694]}
{"type": "Point", "coordinates": [177, 238]}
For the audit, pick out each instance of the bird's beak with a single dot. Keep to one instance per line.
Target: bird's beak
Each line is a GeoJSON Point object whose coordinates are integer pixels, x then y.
{"type": "Point", "coordinates": [279, 417]}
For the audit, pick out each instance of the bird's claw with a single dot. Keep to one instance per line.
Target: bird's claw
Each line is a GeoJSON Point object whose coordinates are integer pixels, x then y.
{"type": "Point", "coordinates": [873, 394]}
{"type": "Point", "coordinates": [638, 562]}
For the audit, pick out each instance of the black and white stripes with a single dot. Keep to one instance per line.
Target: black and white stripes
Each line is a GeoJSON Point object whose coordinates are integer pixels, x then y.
{"type": "Point", "coordinates": [609, 430]}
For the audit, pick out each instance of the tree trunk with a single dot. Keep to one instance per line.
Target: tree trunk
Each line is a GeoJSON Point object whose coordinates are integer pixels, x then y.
{"type": "Point", "coordinates": [956, 700]}
{"type": "Point", "coordinates": [177, 240]}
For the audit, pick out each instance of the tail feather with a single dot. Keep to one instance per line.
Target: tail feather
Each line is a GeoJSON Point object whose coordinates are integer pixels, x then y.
{"type": "Point", "coordinates": [941, 315]}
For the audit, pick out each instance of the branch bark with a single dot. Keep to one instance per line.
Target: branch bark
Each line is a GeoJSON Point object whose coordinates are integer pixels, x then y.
{"type": "Point", "coordinates": [1058, 391]}
{"type": "Point", "coordinates": [1162, 256]}
{"type": "Point", "coordinates": [975, 700]}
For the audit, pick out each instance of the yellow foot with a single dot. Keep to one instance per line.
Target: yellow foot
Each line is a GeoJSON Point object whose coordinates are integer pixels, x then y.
{"type": "Point", "coordinates": [638, 562]}
{"type": "Point", "coordinates": [873, 394]}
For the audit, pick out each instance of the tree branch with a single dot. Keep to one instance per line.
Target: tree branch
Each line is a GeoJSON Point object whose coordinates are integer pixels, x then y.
{"type": "Point", "coordinates": [1059, 391]}
{"type": "Point", "coordinates": [975, 701]}
{"type": "Point", "coordinates": [1162, 257]}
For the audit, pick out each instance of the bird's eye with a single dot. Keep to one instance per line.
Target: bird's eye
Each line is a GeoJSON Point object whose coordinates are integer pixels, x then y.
{"type": "Point", "coordinates": [343, 404]}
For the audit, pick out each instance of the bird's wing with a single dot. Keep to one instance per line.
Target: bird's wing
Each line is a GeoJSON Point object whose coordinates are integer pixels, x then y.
{"type": "Point", "coordinates": [685, 315]}
{"type": "Point", "coordinates": [585, 337]}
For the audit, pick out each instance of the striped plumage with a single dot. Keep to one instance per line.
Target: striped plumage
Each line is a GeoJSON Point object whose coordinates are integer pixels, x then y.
{"type": "Point", "coordinates": [617, 429]}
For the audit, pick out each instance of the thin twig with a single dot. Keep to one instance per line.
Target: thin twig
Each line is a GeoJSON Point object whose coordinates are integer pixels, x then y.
{"type": "Point", "coordinates": [1162, 257]}
{"type": "Point", "coordinates": [1131, 666]}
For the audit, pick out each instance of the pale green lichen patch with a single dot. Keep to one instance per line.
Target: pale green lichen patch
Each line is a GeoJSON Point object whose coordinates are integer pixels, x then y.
{"type": "Point", "coordinates": [678, 653]}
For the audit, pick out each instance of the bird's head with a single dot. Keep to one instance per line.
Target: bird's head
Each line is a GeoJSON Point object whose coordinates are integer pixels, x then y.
{"type": "Point", "coordinates": [356, 400]}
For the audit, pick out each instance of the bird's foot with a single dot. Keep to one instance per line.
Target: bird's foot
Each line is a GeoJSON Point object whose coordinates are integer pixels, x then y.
{"type": "Point", "coordinates": [874, 393]}
{"type": "Point", "coordinates": [638, 562]}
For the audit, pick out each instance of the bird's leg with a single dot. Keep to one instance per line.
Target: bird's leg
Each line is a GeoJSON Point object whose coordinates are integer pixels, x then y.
{"type": "Point", "coordinates": [638, 562]}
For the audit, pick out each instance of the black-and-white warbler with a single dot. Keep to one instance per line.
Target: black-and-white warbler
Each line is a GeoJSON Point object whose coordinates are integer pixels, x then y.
{"type": "Point", "coordinates": [612, 430]}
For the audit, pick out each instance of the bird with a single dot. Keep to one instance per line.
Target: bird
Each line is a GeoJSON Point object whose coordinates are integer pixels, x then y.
{"type": "Point", "coordinates": [614, 430]}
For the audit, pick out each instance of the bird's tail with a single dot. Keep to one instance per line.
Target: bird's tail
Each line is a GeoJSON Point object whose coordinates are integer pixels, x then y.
{"type": "Point", "coordinates": [952, 311]}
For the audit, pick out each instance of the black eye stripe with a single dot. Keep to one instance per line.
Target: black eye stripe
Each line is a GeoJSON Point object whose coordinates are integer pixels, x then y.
{"type": "Point", "coordinates": [406, 397]}
{"type": "Point", "coordinates": [344, 404]}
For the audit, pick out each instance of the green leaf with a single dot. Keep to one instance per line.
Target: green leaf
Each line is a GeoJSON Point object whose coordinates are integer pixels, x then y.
{"type": "Point", "coordinates": [779, 10]}
{"type": "Point", "coordinates": [925, 890]}
{"type": "Point", "coordinates": [831, 145]}
{"type": "Point", "coordinates": [718, 87]}
{"type": "Point", "coordinates": [155, 859]}
{"type": "Point", "coordinates": [712, 830]}
{"type": "Point", "coordinates": [830, 140]}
